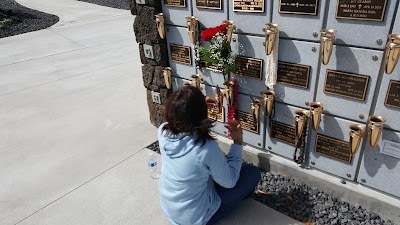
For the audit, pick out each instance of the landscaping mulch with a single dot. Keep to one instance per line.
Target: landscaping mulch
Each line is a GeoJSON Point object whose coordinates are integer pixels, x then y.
{"type": "Point", "coordinates": [118, 4]}
{"type": "Point", "coordinates": [306, 204]}
{"type": "Point", "coordinates": [17, 19]}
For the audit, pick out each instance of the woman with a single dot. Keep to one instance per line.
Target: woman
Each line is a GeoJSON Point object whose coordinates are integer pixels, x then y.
{"type": "Point", "coordinates": [198, 184]}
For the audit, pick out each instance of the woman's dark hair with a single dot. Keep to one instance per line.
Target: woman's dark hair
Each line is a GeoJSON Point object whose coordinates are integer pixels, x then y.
{"type": "Point", "coordinates": [186, 112]}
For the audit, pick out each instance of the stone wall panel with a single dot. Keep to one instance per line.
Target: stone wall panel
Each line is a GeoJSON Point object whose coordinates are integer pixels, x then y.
{"type": "Point", "coordinates": [145, 26]}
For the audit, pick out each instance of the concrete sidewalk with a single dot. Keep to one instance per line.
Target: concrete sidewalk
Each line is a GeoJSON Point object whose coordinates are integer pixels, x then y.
{"type": "Point", "coordinates": [74, 124]}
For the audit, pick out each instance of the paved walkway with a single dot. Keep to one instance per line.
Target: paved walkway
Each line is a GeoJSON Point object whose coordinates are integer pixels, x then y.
{"type": "Point", "coordinates": [74, 124]}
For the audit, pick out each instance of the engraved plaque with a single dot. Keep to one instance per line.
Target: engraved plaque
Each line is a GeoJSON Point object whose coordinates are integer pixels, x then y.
{"type": "Point", "coordinates": [346, 84]}
{"type": "Point", "coordinates": [283, 132]}
{"type": "Point", "coordinates": [213, 68]}
{"type": "Point", "coordinates": [148, 51]}
{"type": "Point", "coordinates": [175, 3]}
{"type": "Point", "coordinates": [211, 108]}
{"type": "Point", "coordinates": [305, 7]}
{"type": "Point", "coordinates": [372, 10]}
{"type": "Point", "coordinates": [249, 67]}
{"type": "Point", "coordinates": [141, 2]}
{"type": "Point", "coordinates": [393, 94]}
{"type": "Point", "coordinates": [256, 6]}
{"type": "Point", "coordinates": [181, 54]}
{"type": "Point", "coordinates": [247, 121]}
{"type": "Point", "coordinates": [333, 148]}
{"type": "Point", "coordinates": [209, 4]}
{"type": "Point", "coordinates": [293, 74]}
{"type": "Point", "coordinates": [155, 96]}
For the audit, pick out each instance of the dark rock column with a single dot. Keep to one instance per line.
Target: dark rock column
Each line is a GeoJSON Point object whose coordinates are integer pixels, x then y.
{"type": "Point", "coordinates": [145, 29]}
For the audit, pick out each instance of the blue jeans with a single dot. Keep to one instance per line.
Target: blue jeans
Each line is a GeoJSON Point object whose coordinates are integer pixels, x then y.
{"type": "Point", "coordinates": [231, 197]}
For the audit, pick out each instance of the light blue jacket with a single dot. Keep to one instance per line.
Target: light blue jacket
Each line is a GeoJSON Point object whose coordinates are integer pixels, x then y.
{"type": "Point", "coordinates": [187, 192]}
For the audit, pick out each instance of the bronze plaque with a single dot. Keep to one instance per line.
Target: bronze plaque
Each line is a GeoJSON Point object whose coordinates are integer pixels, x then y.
{"type": "Point", "coordinates": [371, 10]}
{"type": "Point", "coordinates": [249, 67]}
{"type": "Point", "coordinates": [209, 4]}
{"type": "Point", "coordinates": [293, 74]}
{"type": "Point", "coordinates": [213, 68]}
{"type": "Point", "coordinates": [211, 108]}
{"type": "Point", "coordinates": [304, 7]}
{"type": "Point", "coordinates": [181, 54]}
{"type": "Point", "coordinates": [247, 121]}
{"type": "Point", "coordinates": [393, 94]}
{"type": "Point", "coordinates": [283, 132]}
{"type": "Point", "coordinates": [175, 3]}
{"type": "Point", "coordinates": [256, 6]}
{"type": "Point", "coordinates": [333, 148]}
{"type": "Point", "coordinates": [346, 84]}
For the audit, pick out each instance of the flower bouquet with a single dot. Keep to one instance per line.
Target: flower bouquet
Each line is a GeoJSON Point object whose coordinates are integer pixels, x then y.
{"type": "Point", "coordinates": [219, 54]}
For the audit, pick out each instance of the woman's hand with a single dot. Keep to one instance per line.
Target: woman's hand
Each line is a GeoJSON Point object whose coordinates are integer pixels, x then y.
{"type": "Point", "coordinates": [235, 130]}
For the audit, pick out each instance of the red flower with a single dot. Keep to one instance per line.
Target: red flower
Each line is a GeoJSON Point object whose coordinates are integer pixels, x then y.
{"type": "Point", "coordinates": [222, 28]}
{"type": "Point", "coordinates": [209, 33]}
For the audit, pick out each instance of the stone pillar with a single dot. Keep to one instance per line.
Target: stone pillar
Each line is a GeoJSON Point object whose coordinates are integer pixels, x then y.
{"type": "Point", "coordinates": [153, 55]}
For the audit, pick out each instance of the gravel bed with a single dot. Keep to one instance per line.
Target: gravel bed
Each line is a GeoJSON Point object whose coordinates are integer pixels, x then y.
{"type": "Point", "coordinates": [17, 19]}
{"type": "Point", "coordinates": [306, 204]}
{"type": "Point", "coordinates": [118, 4]}
{"type": "Point", "coordinates": [154, 147]}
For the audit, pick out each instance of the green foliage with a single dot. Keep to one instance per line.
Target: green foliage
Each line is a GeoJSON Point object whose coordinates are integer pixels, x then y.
{"type": "Point", "coordinates": [219, 55]}
{"type": "Point", "coordinates": [205, 55]}
{"type": "Point", "coordinates": [4, 22]}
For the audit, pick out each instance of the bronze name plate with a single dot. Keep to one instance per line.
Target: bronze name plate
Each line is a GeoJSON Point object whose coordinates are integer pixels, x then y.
{"type": "Point", "coordinates": [213, 115]}
{"type": "Point", "coordinates": [247, 121]}
{"type": "Point", "coordinates": [175, 3]}
{"type": "Point", "coordinates": [305, 7]}
{"type": "Point", "coordinates": [181, 54]}
{"type": "Point", "coordinates": [371, 10]}
{"type": "Point", "coordinates": [346, 84]}
{"type": "Point", "coordinates": [333, 148]}
{"type": "Point", "coordinates": [256, 6]}
{"type": "Point", "coordinates": [293, 74]}
{"type": "Point", "coordinates": [249, 67]}
{"type": "Point", "coordinates": [393, 94]}
{"type": "Point", "coordinates": [283, 132]}
{"type": "Point", "coordinates": [209, 4]}
{"type": "Point", "coordinates": [213, 68]}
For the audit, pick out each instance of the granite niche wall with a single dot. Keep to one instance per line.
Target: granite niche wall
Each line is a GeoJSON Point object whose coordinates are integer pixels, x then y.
{"type": "Point", "coordinates": [338, 82]}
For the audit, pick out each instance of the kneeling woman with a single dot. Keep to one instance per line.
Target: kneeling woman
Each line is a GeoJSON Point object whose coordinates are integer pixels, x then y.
{"type": "Point", "coordinates": [198, 184]}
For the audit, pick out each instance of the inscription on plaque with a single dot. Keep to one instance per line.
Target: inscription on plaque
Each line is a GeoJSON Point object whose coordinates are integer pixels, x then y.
{"type": "Point", "coordinates": [249, 67]}
{"type": "Point", "coordinates": [372, 10]}
{"type": "Point", "coordinates": [175, 3]}
{"type": "Point", "coordinates": [213, 68]}
{"type": "Point", "coordinates": [346, 84]}
{"type": "Point", "coordinates": [213, 115]}
{"type": "Point", "coordinates": [247, 121]}
{"type": "Point", "coordinates": [283, 132]}
{"type": "Point", "coordinates": [209, 4]}
{"type": "Point", "coordinates": [305, 7]}
{"type": "Point", "coordinates": [393, 94]}
{"type": "Point", "coordinates": [293, 74]}
{"type": "Point", "coordinates": [333, 148]}
{"type": "Point", "coordinates": [181, 54]}
{"type": "Point", "coordinates": [256, 6]}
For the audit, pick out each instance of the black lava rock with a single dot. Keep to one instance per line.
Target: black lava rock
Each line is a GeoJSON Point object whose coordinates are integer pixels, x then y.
{"type": "Point", "coordinates": [145, 26]}
{"type": "Point", "coordinates": [154, 147]}
{"type": "Point", "coordinates": [307, 204]}
{"type": "Point", "coordinates": [22, 19]}
{"type": "Point", "coordinates": [160, 55]}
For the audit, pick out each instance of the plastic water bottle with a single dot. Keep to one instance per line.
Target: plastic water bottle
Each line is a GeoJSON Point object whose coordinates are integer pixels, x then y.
{"type": "Point", "coordinates": [152, 163]}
